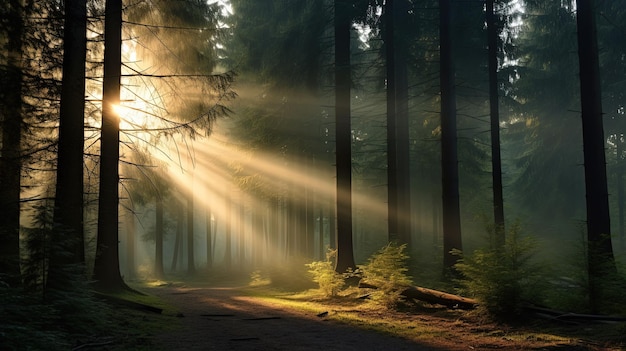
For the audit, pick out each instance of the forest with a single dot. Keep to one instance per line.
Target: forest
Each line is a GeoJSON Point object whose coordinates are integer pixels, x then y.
{"type": "Point", "coordinates": [405, 149]}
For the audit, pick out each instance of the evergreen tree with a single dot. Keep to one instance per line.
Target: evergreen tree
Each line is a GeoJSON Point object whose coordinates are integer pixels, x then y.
{"type": "Point", "coordinates": [343, 23]}
{"type": "Point", "coordinates": [399, 217]}
{"type": "Point", "coordinates": [494, 109]}
{"type": "Point", "coordinates": [11, 128]}
{"type": "Point", "coordinates": [548, 182]}
{"type": "Point", "coordinates": [68, 213]}
{"type": "Point", "coordinates": [106, 266]}
{"type": "Point", "coordinates": [175, 61]}
{"type": "Point", "coordinates": [158, 239]}
{"type": "Point", "coordinates": [449, 159]}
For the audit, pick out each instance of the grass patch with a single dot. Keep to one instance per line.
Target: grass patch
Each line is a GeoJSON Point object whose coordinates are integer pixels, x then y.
{"type": "Point", "coordinates": [441, 327]}
{"type": "Point", "coordinates": [80, 320]}
{"type": "Point", "coordinates": [146, 299]}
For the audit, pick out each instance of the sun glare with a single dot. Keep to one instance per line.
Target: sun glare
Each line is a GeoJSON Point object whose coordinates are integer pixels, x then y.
{"type": "Point", "coordinates": [131, 118]}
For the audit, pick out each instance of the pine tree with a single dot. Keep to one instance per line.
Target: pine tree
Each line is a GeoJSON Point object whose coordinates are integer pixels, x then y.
{"type": "Point", "coordinates": [601, 263]}
{"type": "Point", "coordinates": [106, 266]}
{"type": "Point", "coordinates": [343, 23]}
{"type": "Point", "coordinates": [449, 159]}
{"type": "Point", "coordinates": [494, 112]}
{"type": "Point", "coordinates": [10, 155]}
{"type": "Point", "coordinates": [68, 211]}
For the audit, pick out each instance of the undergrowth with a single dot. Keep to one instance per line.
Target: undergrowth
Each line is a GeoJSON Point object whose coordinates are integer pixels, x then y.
{"type": "Point", "coordinates": [502, 278]}
{"type": "Point", "coordinates": [323, 273]}
{"type": "Point", "coordinates": [387, 271]}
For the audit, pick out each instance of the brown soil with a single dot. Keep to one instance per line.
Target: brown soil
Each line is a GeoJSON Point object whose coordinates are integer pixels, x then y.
{"type": "Point", "coordinates": [230, 319]}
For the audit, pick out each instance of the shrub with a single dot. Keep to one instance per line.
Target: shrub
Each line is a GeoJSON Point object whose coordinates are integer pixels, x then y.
{"type": "Point", "coordinates": [501, 278]}
{"type": "Point", "coordinates": [571, 290]}
{"type": "Point", "coordinates": [387, 270]}
{"type": "Point", "coordinates": [323, 272]}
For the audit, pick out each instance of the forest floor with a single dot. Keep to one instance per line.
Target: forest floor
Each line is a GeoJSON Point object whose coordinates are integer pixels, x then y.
{"type": "Point", "coordinates": [242, 318]}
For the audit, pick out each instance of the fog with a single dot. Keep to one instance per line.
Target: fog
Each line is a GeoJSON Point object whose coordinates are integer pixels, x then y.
{"type": "Point", "coordinates": [257, 187]}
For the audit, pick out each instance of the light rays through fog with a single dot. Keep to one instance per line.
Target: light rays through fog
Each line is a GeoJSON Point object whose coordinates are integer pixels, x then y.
{"type": "Point", "coordinates": [246, 189]}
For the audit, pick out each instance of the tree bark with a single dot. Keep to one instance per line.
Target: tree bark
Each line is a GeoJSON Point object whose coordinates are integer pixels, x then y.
{"type": "Point", "coordinates": [599, 247]}
{"type": "Point", "coordinates": [178, 243]}
{"type": "Point", "coordinates": [392, 161]}
{"type": "Point", "coordinates": [241, 230]}
{"type": "Point", "coordinates": [398, 160]}
{"type": "Point", "coordinates": [10, 156]}
{"type": "Point", "coordinates": [130, 244]}
{"type": "Point", "coordinates": [345, 254]}
{"type": "Point", "coordinates": [191, 265]}
{"type": "Point", "coordinates": [309, 217]}
{"type": "Point", "coordinates": [209, 238]}
{"type": "Point", "coordinates": [494, 113]}
{"type": "Point", "coordinates": [158, 239]}
{"type": "Point", "coordinates": [402, 135]}
{"type": "Point", "coordinates": [228, 260]}
{"type": "Point", "coordinates": [257, 235]}
{"type": "Point", "coordinates": [106, 266]}
{"type": "Point", "coordinates": [619, 175]}
{"type": "Point", "coordinates": [451, 214]}
{"type": "Point", "coordinates": [68, 209]}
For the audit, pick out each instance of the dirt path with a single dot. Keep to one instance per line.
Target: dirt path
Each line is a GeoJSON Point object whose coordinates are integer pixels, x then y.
{"type": "Point", "coordinates": [225, 319]}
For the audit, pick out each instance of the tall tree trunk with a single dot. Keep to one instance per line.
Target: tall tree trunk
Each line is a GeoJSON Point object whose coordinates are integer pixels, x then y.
{"type": "Point", "coordinates": [620, 191]}
{"type": "Point", "coordinates": [309, 219]}
{"type": "Point", "coordinates": [402, 134]}
{"type": "Point", "coordinates": [10, 156]}
{"type": "Point", "coordinates": [178, 244]}
{"type": "Point", "coordinates": [494, 112]}
{"type": "Point", "coordinates": [321, 251]}
{"type": "Point", "coordinates": [435, 221]}
{"type": "Point", "coordinates": [209, 238]}
{"type": "Point", "coordinates": [332, 225]}
{"type": "Point", "coordinates": [106, 266]}
{"type": "Point", "coordinates": [130, 244]}
{"type": "Point", "coordinates": [451, 214]}
{"type": "Point", "coordinates": [343, 23]}
{"type": "Point", "coordinates": [274, 227]}
{"type": "Point", "coordinates": [241, 231]}
{"type": "Point", "coordinates": [158, 239]}
{"type": "Point", "coordinates": [292, 222]}
{"type": "Point", "coordinates": [392, 165]}
{"type": "Point", "coordinates": [68, 209]}
{"type": "Point", "coordinates": [228, 255]}
{"type": "Point", "coordinates": [302, 225]}
{"type": "Point", "coordinates": [599, 247]}
{"type": "Point", "coordinates": [191, 266]}
{"type": "Point", "coordinates": [398, 161]}
{"type": "Point", "coordinates": [259, 238]}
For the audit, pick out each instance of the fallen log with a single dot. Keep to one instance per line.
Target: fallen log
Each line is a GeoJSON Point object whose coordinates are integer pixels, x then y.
{"type": "Point", "coordinates": [433, 296]}
{"type": "Point", "coordinates": [557, 315]}
{"type": "Point", "coordinates": [440, 298]}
